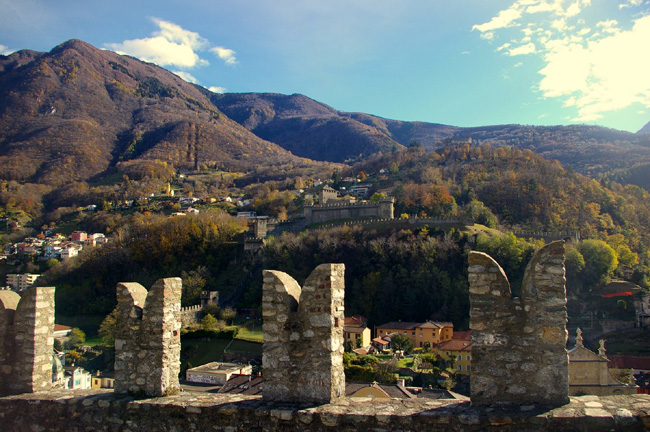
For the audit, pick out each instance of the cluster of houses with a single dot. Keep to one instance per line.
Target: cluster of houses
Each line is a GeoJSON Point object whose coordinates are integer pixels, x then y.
{"type": "Point", "coordinates": [589, 372]}
{"type": "Point", "coordinates": [51, 246]}
{"type": "Point", "coordinates": [436, 337]}
{"type": "Point", "coordinates": [70, 376]}
{"type": "Point", "coordinates": [55, 245]}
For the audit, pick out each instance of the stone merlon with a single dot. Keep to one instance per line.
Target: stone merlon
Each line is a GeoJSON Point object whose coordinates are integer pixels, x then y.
{"type": "Point", "coordinates": [519, 344]}
{"type": "Point", "coordinates": [303, 335]}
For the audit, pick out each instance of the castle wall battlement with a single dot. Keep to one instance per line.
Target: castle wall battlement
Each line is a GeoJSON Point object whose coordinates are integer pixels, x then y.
{"type": "Point", "coordinates": [519, 344]}
{"type": "Point", "coordinates": [303, 336]}
{"type": "Point", "coordinates": [102, 410]}
{"type": "Point", "coordinates": [519, 371]}
{"type": "Point", "coordinates": [26, 340]}
{"type": "Point", "coordinates": [148, 338]}
{"type": "Point", "coordinates": [384, 209]}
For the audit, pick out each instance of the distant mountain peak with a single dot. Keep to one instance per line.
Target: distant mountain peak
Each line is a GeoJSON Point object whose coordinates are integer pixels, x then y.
{"type": "Point", "coordinates": [645, 129]}
{"type": "Point", "coordinates": [78, 111]}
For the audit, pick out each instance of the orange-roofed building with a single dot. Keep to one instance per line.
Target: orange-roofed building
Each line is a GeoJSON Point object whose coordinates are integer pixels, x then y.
{"type": "Point", "coordinates": [356, 333]}
{"type": "Point", "coordinates": [419, 333]}
{"type": "Point", "coordinates": [460, 350]}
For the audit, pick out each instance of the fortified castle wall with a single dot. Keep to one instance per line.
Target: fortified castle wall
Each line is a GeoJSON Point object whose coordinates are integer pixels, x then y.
{"type": "Point", "coordinates": [26, 340]}
{"type": "Point", "coordinates": [303, 336]}
{"type": "Point", "coordinates": [384, 209]}
{"type": "Point", "coordinates": [519, 344]}
{"type": "Point", "coordinates": [148, 338]}
{"type": "Point", "coordinates": [308, 395]}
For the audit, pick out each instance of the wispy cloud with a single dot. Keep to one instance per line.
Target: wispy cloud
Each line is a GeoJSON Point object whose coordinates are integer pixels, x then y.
{"type": "Point", "coordinates": [629, 3]}
{"type": "Point", "coordinates": [592, 67]}
{"type": "Point", "coordinates": [225, 54]}
{"type": "Point", "coordinates": [5, 50]}
{"type": "Point", "coordinates": [215, 89]}
{"type": "Point", "coordinates": [170, 45]}
{"type": "Point", "coordinates": [186, 76]}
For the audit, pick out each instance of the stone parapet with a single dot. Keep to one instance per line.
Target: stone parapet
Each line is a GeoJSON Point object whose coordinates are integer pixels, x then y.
{"type": "Point", "coordinates": [148, 338]}
{"type": "Point", "coordinates": [303, 336]}
{"type": "Point", "coordinates": [519, 352]}
{"type": "Point", "coordinates": [101, 410]}
{"type": "Point", "coordinates": [26, 340]}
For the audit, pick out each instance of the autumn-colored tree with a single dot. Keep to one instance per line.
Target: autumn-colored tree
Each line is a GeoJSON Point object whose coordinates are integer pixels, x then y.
{"type": "Point", "coordinates": [600, 262]}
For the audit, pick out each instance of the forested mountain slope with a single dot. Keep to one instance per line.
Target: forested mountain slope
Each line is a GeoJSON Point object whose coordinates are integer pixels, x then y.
{"type": "Point", "coordinates": [76, 111]}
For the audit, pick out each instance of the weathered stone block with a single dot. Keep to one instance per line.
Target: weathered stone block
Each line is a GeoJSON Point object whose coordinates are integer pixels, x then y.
{"type": "Point", "coordinates": [147, 340]}
{"type": "Point", "coordinates": [305, 362]}
{"type": "Point", "coordinates": [26, 340]}
{"type": "Point", "coordinates": [530, 329]}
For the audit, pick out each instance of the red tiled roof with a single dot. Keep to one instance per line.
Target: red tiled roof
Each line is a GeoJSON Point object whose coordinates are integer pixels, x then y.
{"type": "Point", "coordinates": [355, 320]}
{"type": "Point", "coordinates": [455, 345]}
{"type": "Point", "coordinates": [629, 362]}
{"type": "Point", "coordinates": [462, 335]}
{"type": "Point", "coordinates": [354, 329]}
{"type": "Point", "coordinates": [61, 327]}
{"type": "Point", "coordinates": [399, 325]}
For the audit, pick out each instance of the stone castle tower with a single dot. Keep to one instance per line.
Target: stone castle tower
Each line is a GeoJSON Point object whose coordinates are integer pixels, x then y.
{"type": "Point", "coordinates": [148, 338]}
{"type": "Point", "coordinates": [303, 336]}
{"type": "Point", "coordinates": [519, 352]}
{"type": "Point", "coordinates": [26, 340]}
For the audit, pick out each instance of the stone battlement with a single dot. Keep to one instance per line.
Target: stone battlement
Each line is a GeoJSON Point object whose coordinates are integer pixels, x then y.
{"type": "Point", "coordinates": [519, 344]}
{"type": "Point", "coordinates": [102, 410]}
{"type": "Point", "coordinates": [26, 340]}
{"type": "Point", "coordinates": [148, 338]}
{"type": "Point", "coordinates": [325, 212]}
{"type": "Point", "coordinates": [519, 376]}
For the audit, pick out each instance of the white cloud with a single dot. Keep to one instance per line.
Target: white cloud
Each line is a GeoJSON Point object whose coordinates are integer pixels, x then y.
{"type": "Point", "coordinates": [186, 76]}
{"type": "Point", "coordinates": [603, 75]}
{"type": "Point", "coordinates": [170, 45]}
{"type": "Point", "coordinates": [504, 46]}
{"type": "Point", "coordinates": [522, 50]}
{"type": "Point", "coordinates": [225, 54]}
{"type": "Point", "coordinates": [629, 3]}
{"type": "Point", "coordinates": [590, 72]}
{"type": "Point", "coordinates": [5, 50]}
{"type": "Point", "coordinates": [504, 19]}
{"type": "Point", "coordinates": [215, 89]}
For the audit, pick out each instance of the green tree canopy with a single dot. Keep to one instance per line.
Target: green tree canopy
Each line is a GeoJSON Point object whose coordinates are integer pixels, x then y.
{"type": "Point", "coordinates": [401, 343]}
{"type": "Point", "coordinates": [107, 329]}
{"type": "Point", "coordinates": [77, 337]}
{"type": "Point", "coordinates": [600, 262]}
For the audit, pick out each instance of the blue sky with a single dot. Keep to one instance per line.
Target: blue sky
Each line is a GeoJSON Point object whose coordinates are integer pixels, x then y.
{"type": "Point", "coordinates": [460, 62]}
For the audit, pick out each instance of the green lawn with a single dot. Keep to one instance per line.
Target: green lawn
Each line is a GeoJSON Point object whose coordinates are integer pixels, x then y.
{"type": "Point", "coordinates": [93, 341]}
{"type": "Point", "coordinates": [405, 362]}
{"type": "Point", "coordinates": [254, 335]}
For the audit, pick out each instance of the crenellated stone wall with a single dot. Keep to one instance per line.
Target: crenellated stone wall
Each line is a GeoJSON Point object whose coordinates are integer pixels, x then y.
{"type": "Point", "coordinates": [384, 209]}
{"type": "Point", "coordinates": [102, 410]}
{"type": "Point", "coordinates": [303, 336]}
{"type": "Point", "coordinates": [26, 340]}
{"type": "Point", "coordinates": [191, 315]}
{"type": "Point", "coordinates": [517, 346]}
{"type": "Point", "coordinates": [519, 352]}
{"type": "Point", "coordinates": [148, 338]}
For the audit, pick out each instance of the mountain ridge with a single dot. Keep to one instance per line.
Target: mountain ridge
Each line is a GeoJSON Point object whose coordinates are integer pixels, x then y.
{"type": "Point", "coordinates": [78, 111]}
{"type": "Point", "coordinates": [74, 112]}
